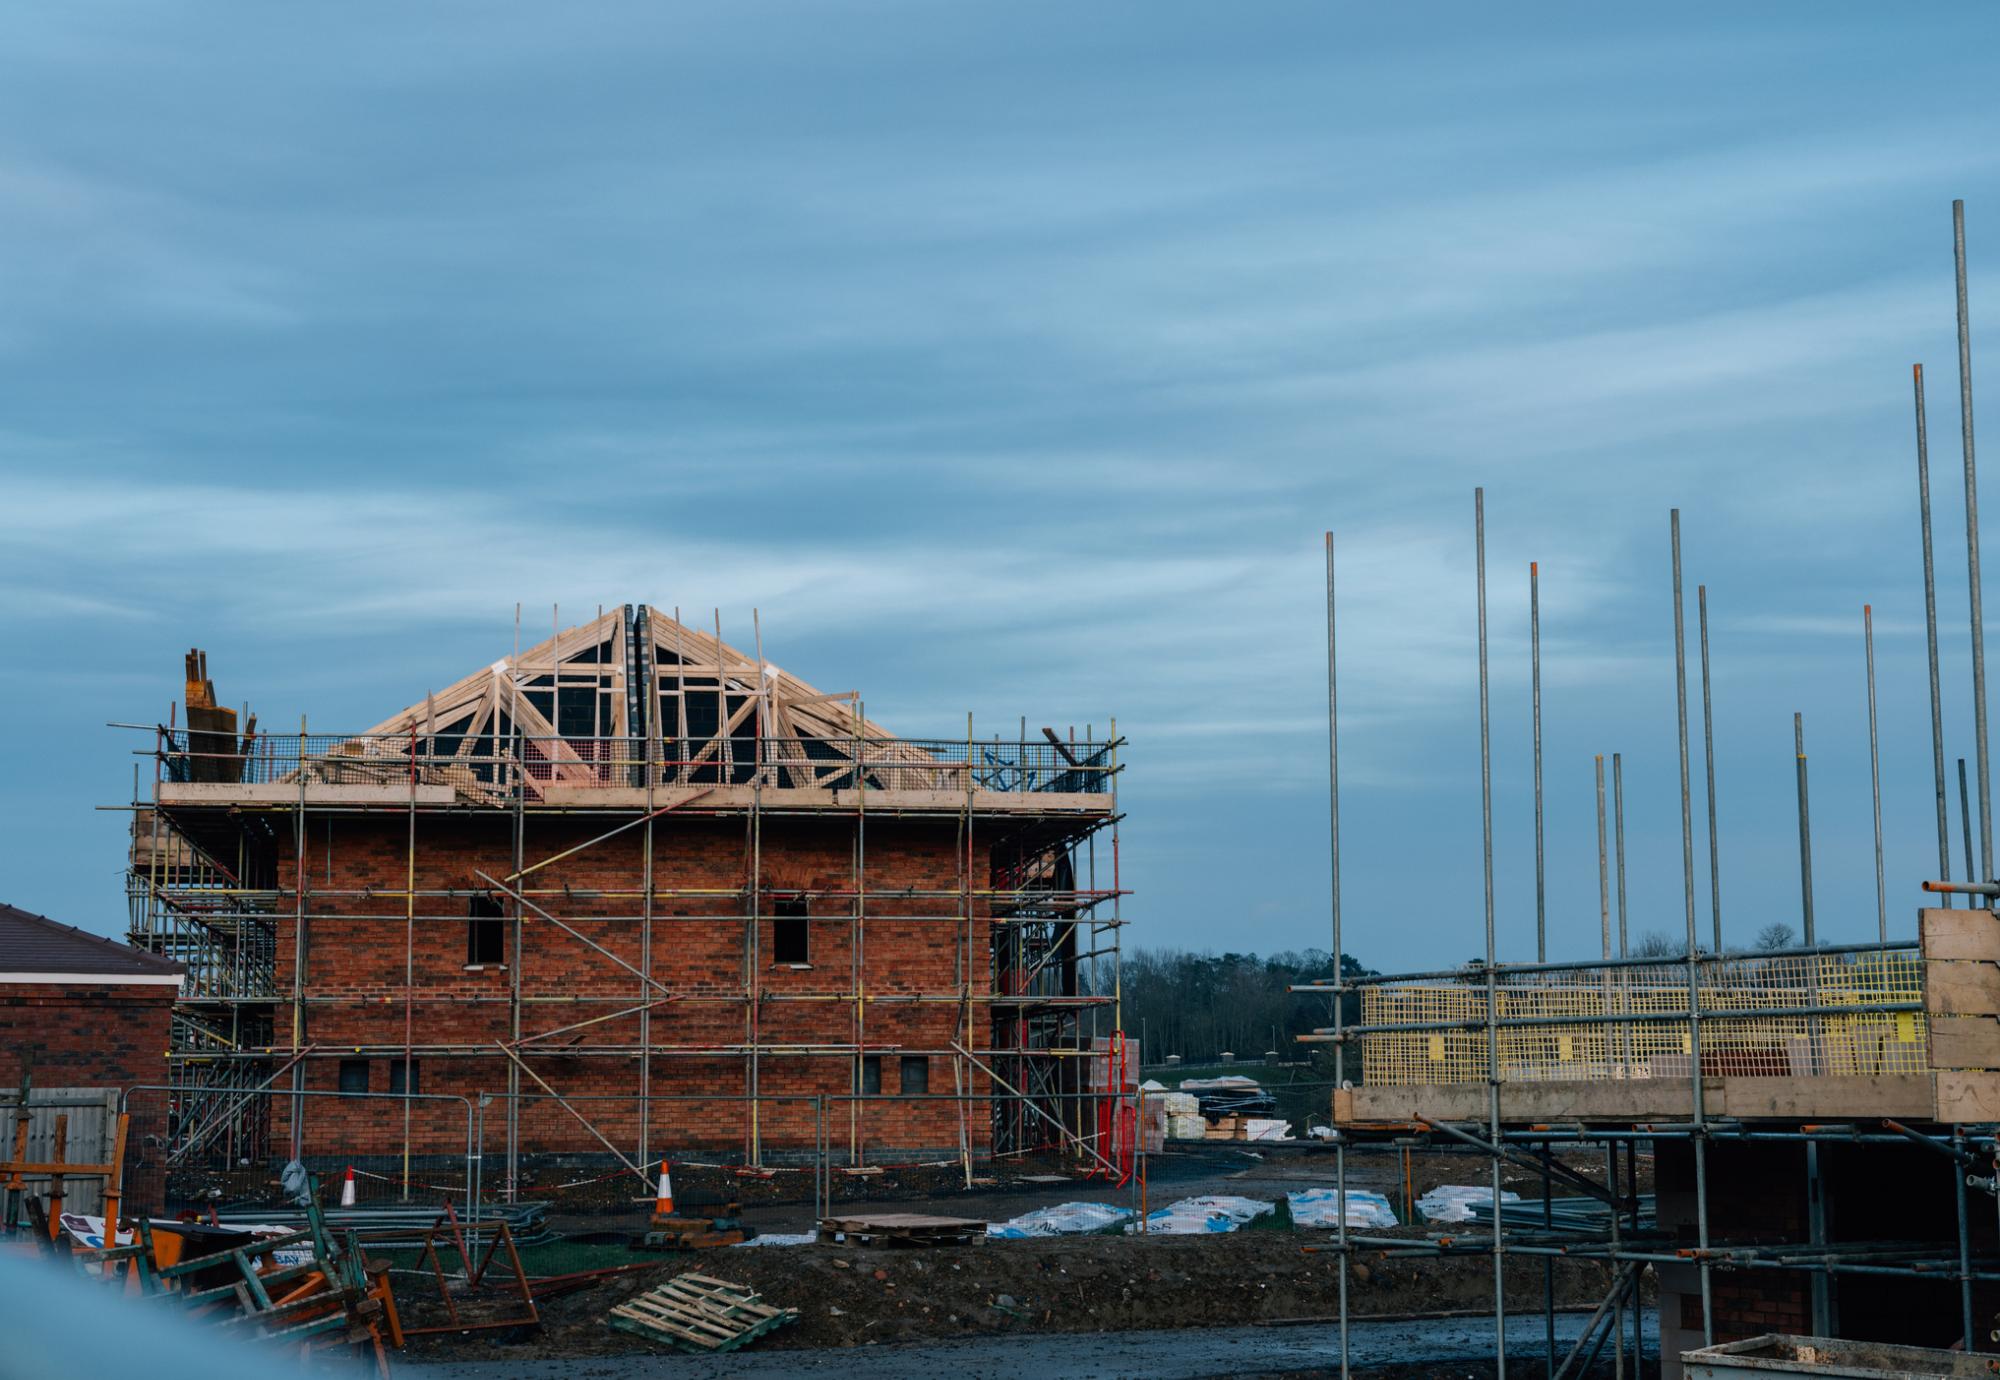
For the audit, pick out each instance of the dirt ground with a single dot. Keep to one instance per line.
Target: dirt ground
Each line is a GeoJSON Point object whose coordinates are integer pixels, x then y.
{"type": "Point", "coordinates": [851, 1297]}
{"type": "Point", "coordinates": [782, 1203]}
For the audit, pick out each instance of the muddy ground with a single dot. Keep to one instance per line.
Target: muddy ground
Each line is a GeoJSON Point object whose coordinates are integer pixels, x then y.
{"type": "Point", "coordinates": [850, 1297]}
{"type": "Point", "coordinates": [783, 1203]}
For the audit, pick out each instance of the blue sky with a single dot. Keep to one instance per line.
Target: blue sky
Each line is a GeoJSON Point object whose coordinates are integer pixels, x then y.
{"type": "Point", "coordinates": [1013, 362]}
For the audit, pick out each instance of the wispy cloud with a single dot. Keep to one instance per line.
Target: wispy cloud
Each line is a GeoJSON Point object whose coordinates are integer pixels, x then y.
{"type": "Point", "coordinates": [1015, 361]}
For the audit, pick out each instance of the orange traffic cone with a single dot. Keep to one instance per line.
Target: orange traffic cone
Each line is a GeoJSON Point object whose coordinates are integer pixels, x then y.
{"type": "Point", "coordinates": [347, 1188]}
{"type": "Point", "coordinates": [663, 1204]}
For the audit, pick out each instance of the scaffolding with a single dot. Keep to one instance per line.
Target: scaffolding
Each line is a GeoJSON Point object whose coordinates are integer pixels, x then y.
{"type": "Point", "coordinates": [1543, 1118]}
{"type": "Point", "coordinates": [625, 728]}
{"type": "Point", "coordinates": [1566, 1069]}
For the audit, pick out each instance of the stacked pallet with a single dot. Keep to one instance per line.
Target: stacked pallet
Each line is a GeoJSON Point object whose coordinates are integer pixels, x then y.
{"type": "Point", "coordinates": [901, 1229]}
{"type": "Point", "coordinates": [699, 1313]}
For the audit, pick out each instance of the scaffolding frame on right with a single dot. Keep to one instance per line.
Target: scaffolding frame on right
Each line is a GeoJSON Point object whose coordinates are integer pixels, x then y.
{"type": "Point", "coordinates": [1553, 1151]}
{"type": "Point", "coordinates": [1813, 1044]}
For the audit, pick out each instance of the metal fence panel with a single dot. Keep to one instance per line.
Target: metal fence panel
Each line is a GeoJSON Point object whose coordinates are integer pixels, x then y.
{"type": "Point", "coordinates": [89, 1116]}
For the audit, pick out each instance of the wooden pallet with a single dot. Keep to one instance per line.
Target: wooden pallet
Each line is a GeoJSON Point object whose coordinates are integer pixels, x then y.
{"type": "Point", "coordinates": [902, 1229]}
{"type": "Point", "coordinates": [690, 1234]}
{"type": "Point", "coordinates": [699, 1313]}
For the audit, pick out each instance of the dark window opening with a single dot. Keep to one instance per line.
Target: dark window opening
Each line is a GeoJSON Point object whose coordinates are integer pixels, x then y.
{"type": "Point", "coordinates": [445, 742]}
{"type": "Point", "coordinates": [398, 1069]}
{"type": "Point", "coordinates": [702, 712]}
{"type": "Point", "coordinates": [485, 933]}
{"type": "Point", "coordinates": [576, 706]}
{"type": "Point", "coordinates": [871, 1075]}
{"type": "Point", "coordinates": [916, 1073]}
{"type": "Point", "coordinates": [354, 1075]}
{"type": "Point", "coordinates": [791, 932]}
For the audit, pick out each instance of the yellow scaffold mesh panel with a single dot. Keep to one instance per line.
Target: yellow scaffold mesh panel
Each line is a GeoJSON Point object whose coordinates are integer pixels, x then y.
{"type": "Point", "coordinates": [1591, 1038]}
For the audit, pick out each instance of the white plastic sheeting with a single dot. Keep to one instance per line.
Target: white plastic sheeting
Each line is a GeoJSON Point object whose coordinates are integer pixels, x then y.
{"type": "Point", "coordinates": [1061, 1219]}
{"type": "Point", "coordinates": [781, 1238]}
{"type": "Point", "coordinates": [1447, 1202]}
{"type": "Point", "coordinates": [1216, 1213]}
{"type": "Point", "coordinates": [1320, 1207]}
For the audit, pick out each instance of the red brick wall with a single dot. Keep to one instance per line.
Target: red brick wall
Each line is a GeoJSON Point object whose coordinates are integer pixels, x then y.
{"type": "Point", "coordinates": [108, 1036]}
{"type": "Point", "coordinates": [1757, 1194]}
{"type": "Point", "coordinates": [1881, 1193]}
{"type": "Point", "coordinates": [358, 1004]}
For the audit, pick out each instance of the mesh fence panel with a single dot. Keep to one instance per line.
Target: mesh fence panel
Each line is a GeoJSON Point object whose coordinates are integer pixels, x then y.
{"type": "Point", "coordinates": [1596, 1038]}
{"type": "Point", "coordinates": [405, 1152]}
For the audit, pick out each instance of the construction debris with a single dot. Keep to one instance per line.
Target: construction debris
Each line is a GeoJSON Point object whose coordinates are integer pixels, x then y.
{"type": "Point", "coordinates": [405, 1227]}
{"type": "Point", "coordinates": [901, 1229]}
{"type": "Point", "coordinates": [671, 1231]}
{"type": "Point", "coordinates": [701, 1314]}
{"type": "Point", "coordinates": [483, 1305]}
{"type": "Point", "coordinates": [329, 1295]}
{"type": "Point", "coordinates": [697, 1233]}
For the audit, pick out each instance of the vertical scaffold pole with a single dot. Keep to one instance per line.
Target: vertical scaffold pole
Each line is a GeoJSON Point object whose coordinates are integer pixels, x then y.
{"type": "Point", "coordinates": [1958, 1169]}
{"type": "Point", "coordinates": [1618, 832]}
{"type": "Point", "coordinates": [409, 961]}
{"type": "Point", "coordinates": [1541, 927]}
{"type": "Point", "coordinates": [1708, 767]}
{"type": "Point", "coordinates": [1930, 625]}
{"type": "Point", "coordinates": [1611, 1027]}
{"type": "Point", "coordinates": [1875, 775]}
{"type": "Point", "coordinates": [1339, 969]}
{"type": "Point", "coordinates": [298, 945]}
{"type": "Point", "coordinates": [1603, 866]}
{"type": "Point", "coordinates": [1965, 823]}
{"type": "Point", "coordinates": [1805, 827]}
{"type": "Point", "coordinates": [1535, 664]}
{"type": "Point", "coordinates": [1492, 983]}
{"type": "Point", "coordinates": [1693, 960]}
{"type": "Point", "coordinates": [1972, 552]}
{"type": "Point", "coordinates": [1624, 927]}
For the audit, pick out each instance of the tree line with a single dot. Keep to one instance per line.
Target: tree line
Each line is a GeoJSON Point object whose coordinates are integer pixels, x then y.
{"type": "Point", "coordinates": [1200, 1005]}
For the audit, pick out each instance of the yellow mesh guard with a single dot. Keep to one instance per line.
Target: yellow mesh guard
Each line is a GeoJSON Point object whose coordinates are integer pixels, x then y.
{"type": "Point", "coordinates": [1732, 1044]}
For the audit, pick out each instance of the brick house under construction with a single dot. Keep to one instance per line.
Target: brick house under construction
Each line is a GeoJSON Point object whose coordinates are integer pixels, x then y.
{"type": "Point", "coordinates": [652, 894]}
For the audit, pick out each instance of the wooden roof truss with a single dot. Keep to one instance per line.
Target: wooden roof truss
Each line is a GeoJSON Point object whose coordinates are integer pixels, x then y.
{"type": "Point", "coordinates": [629, 693]}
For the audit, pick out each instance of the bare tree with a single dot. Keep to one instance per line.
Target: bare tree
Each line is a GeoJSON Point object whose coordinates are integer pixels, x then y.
{"type": "Point", "coordinates": [1655, 944]}
{"type": "Point", "coordinates": [1776, 935]}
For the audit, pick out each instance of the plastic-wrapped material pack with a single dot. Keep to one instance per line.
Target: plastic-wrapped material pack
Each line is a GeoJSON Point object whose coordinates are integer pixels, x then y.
{"type": "Point", "coordinates": [1448, 1202]}
{"type": "Point", "coordinates": [1214, 1213]}
{"type": "Point", "coordinates": [1320, 1207]}
{"type": "Point", "coordinates": [1061, 1219]}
